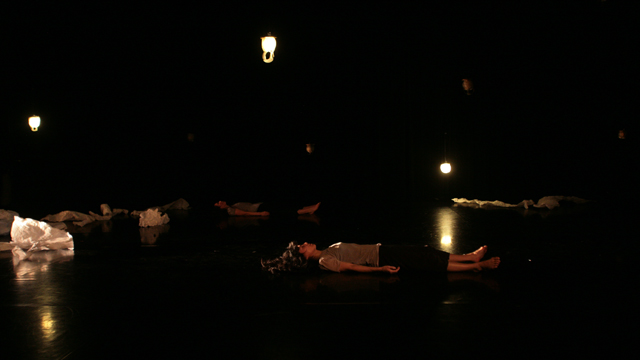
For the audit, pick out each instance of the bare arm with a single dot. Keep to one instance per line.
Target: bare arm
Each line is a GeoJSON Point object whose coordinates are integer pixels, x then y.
{"type": "Point", "coordinates": [345, 266]}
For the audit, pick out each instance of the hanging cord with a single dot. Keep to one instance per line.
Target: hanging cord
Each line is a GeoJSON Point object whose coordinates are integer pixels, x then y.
{"type": "Point", "coordinates": [445, 147]}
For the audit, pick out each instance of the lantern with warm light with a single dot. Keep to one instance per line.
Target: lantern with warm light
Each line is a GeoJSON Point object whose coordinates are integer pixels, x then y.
{"type": "Point", "coordinates": [34, 122]}
{"type": "Point", "coordinates": [268, 48]}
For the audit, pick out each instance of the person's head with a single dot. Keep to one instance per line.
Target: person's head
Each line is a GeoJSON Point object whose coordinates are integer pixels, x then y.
{"type": "Point", "coordinates": [291, 260]}
{"type": "Point", "coordinates": [306, 250]}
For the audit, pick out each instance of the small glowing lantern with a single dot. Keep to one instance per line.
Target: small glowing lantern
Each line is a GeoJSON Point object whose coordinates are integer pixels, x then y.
{"type": "Point", "coordinates": [268, 48]}
{"type": "Point", "coordinates": [34, 122]}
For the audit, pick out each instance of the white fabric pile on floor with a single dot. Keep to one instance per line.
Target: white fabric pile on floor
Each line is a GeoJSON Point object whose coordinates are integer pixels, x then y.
{"type": "Point", "coordinates": [29, 235]}
{"type": "Point", "coordinates": [549, 202]}
{"type": "Point", "coordinates": [151, 215]}
{"type": "Point", "coordinates": [180, 204]}
{"type": "Point", "coordinates": [81, 219]}
{"type": "Point", "coordinates": [49, 234]}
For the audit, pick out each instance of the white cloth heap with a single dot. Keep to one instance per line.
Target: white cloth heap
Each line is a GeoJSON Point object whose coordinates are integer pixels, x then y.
{"type": "Point", "coordinates": [152, 217]}
{"type": "Point", "coordinates": [29, 235]}
{"type": "Point", "coordinates": [549, 202]}
{"type": "Point", "coordinates": [81, 219]}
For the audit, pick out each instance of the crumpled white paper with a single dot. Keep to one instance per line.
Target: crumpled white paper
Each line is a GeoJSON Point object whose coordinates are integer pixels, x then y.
{"type": "Point", "coordinates": [106, 210]}
{"type": "Point", "coordinates": [33, 235]}
{"type": "Point", "coordinates": [78, 218]}
{"type": "Point", "coordinates": [497, 203]}
{"type": "Point", "coordinates": [81, 219]}
{"type": "Point", "coordinates": [180, 204]}
{"type": "Point", "coordinates": [549, 202]}
{"type": "Point", "coordinates": [6, 219]}
{"type": "Point", "coordinates": [152, 217]}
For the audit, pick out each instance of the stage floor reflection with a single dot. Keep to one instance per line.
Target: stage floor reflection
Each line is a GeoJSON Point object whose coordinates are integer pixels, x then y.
{"type": "Point", "coordinates": [194, 287]}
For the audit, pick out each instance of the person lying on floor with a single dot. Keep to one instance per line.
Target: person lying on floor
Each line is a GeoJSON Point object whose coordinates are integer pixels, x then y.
{"type": "Point", "coordinates": [259, 209]}
{"type": "Point", "coordinates": [388, 259]}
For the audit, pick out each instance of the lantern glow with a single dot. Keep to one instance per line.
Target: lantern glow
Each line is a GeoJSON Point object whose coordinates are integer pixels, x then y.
{"type": "Point", "coordinates": [445, 168]}
{"type": "Point", "coordinates": [268, 48]}
{"type": "Point", "coordinates": [34, 122]}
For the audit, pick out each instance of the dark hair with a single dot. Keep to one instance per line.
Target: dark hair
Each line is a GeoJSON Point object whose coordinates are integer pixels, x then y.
{"type": "Point", "coordinates": [291, 260]}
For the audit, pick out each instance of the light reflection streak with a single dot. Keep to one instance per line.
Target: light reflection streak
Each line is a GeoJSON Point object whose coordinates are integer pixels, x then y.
{"type": "Point", "coordinates": [445, 225]}
{"type": "Point", "coordinates": [47, 324]}
{"type": "Point", "coordinates": [37, 286]}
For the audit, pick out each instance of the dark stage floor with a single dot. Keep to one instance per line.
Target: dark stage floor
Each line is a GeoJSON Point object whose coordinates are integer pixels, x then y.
{"type": "Point", "coordinates": [566, 288]}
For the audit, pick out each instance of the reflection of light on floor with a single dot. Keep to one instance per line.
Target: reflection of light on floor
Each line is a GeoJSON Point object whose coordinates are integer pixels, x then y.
{"type": "Point", "coordinates": [47, 324]}
{"type": "Point", "coordinates": [34, 278]}
{"type": "Point", "coordinates": [445, 222]}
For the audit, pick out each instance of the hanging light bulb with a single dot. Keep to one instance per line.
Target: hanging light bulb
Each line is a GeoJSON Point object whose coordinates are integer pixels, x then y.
{"type": "Point", "coordinates": [34, 122]}
{"type": "Point", "coordinates": [268, 48]}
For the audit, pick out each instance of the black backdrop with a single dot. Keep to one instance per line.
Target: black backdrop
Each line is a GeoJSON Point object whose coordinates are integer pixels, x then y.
{"type": "Point", "coordinates": [376, 88]}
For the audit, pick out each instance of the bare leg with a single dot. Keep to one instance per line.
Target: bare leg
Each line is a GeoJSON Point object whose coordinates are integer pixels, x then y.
{"type": "Point", "coordinates": [251, 213]}
{"type": "Point", "coordinates": [309, 209]}
{"type": "Point", "coordinates": [475, 256]}
{"type": "Point", "coordinates": [476, 266]}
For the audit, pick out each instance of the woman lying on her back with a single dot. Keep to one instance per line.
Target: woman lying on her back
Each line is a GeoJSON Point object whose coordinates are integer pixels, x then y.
{"type": "Point", "coordinates": [378, 258]}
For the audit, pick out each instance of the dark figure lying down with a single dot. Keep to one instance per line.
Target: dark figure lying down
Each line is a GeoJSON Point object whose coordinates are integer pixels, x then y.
{"type": "Point", "coordinates": [378, 258]}
{"type": "Point", "coordinates": [258, 209]}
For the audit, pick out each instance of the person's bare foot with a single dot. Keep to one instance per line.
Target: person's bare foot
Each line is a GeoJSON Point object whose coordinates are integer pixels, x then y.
{"type": "Point", "coordinates": [477, 255]}
{"type": "Point", "coordinates": [221, 204]}
{"type": "Point", "coordinates": [489, 264]}
{"type": "Point", "coordinates": [313, 208]}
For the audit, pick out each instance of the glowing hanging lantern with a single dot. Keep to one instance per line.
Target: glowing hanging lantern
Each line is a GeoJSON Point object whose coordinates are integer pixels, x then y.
{"type": "Point", "coordinates": [268, 48]}
{"type": "Point", "coordinates": [34, 122]}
